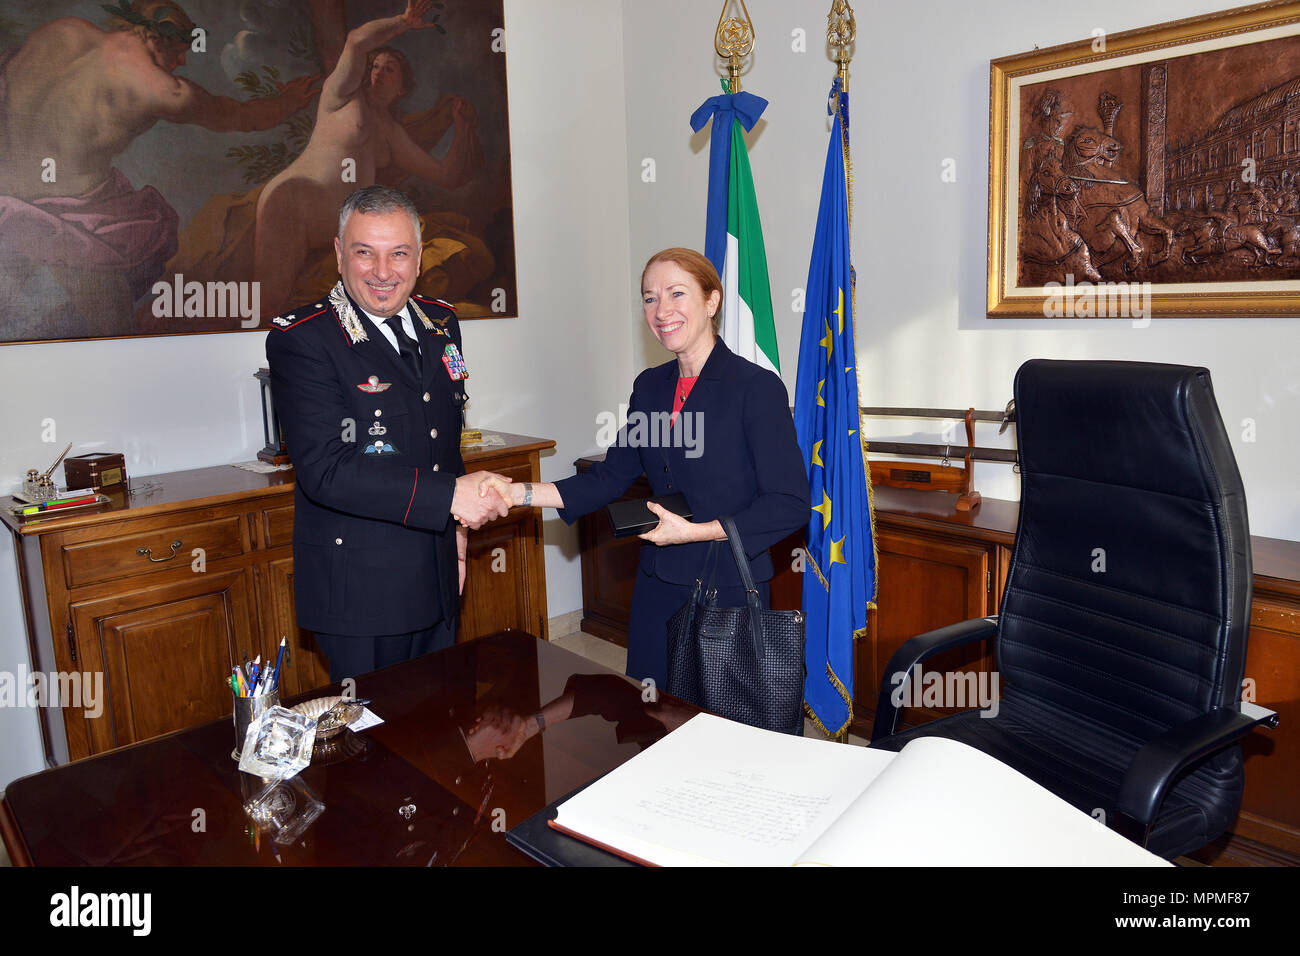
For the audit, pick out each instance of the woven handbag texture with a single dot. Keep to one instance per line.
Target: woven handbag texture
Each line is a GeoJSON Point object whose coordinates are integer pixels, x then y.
{"type": "Point", "coordinates": [711, 663]}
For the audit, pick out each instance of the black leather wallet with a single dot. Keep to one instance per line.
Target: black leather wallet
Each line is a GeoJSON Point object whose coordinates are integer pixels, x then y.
{"type": "Point", "coordinates": [633, 517]}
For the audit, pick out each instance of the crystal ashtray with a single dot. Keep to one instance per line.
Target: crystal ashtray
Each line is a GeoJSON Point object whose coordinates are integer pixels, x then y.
{"type": "Point", "coordinates": [279, 744]}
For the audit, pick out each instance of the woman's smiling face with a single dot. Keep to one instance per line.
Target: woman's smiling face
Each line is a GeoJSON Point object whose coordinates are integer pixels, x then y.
{"type": "Point", "coordinates": [676, 310]}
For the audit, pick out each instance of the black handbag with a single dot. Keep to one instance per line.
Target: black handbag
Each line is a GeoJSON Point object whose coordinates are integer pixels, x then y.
{"type": "Point", "coordinates": [742, 663]}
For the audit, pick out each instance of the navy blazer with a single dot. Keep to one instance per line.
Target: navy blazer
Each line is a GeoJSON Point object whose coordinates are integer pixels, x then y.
{"type": "Point", "coordinates": [748, 466]}
{"type": "Point", "coordinates": [374, 546]}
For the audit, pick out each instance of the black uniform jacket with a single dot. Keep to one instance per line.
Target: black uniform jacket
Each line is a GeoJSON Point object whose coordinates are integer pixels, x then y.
{"type": "Point", "coordinates": [739, 457]}
{"type": "Point", "coordinates": [376, 454]}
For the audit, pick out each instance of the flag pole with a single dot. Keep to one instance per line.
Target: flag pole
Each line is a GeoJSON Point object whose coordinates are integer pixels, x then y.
{"type": "Point", "coordinates": [733, 39]}
{"type": "Point", "coordinates": [841, 31]}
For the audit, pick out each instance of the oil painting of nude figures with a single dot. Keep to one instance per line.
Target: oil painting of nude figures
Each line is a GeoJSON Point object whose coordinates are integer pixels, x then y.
{"type": "Point", "coordinates": [177, 166]}
{"type": "Point", "coordinates": [1164, 159]}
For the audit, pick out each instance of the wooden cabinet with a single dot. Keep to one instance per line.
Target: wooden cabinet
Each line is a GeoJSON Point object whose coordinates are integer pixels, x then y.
{"type": "Point", "coordinates": [505, 580]}
{"type": "Point", "coordinates": [609, 567]}
{"type": "Point", "coordinates": [151, 600]}
{"type": "Point", "coordinates": [162, 650]}
{"type": "Point", "coordinates": [938, 566]}
{"type": "Point", "coordinates": [926, 581]}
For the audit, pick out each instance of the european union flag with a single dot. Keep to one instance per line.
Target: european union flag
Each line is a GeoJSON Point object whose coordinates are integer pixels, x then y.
{"type": "Point", "coordinates": [839, 583]}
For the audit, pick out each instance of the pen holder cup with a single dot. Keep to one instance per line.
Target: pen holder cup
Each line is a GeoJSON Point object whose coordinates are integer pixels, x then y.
{"type": "Point", "coordinates": [247, 710]}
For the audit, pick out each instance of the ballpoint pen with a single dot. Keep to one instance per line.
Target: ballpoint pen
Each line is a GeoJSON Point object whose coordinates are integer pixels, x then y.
{"type": "Point", "coordinates": [279, 659]}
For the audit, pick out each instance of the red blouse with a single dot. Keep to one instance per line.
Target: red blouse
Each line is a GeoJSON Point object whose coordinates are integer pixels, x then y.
{"type": "Point", "coordinates": [680, 393]}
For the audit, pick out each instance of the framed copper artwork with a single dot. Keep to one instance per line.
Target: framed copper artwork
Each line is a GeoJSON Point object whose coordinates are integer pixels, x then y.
{"type": "Point", "coordinates": [1150, 172]}
{"type": "Point", "coordinates": [177, 166]}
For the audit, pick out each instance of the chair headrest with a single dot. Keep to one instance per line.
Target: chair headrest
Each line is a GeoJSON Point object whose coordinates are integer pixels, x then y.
{"type": "Point", "coordinates": [1139, 424]}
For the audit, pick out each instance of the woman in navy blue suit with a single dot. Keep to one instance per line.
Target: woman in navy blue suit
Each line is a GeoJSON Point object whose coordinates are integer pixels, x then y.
{"type": "Point", "coordinates": [710, 425]}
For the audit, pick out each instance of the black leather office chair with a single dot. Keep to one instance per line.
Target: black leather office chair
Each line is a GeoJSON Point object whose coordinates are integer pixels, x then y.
{"type": "Point", "coordinates": [1122, 634]}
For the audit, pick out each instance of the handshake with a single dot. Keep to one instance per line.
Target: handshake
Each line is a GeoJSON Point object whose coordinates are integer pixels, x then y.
{"type": "Point", "coordinates": [480, 497]}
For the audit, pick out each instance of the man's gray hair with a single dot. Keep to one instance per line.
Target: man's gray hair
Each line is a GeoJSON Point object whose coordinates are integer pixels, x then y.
{"type": "Point", "coordinates": [378, 199]}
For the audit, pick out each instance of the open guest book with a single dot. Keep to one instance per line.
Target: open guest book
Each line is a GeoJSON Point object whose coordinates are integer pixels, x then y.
{"type": "Point", "coordinates": [714, 792]}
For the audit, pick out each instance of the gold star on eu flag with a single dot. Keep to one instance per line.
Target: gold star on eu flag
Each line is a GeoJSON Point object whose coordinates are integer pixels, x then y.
{"type": "Point", "coordinates": [837, 553]}
{"type": "Point", "coordinates": [824, 509]}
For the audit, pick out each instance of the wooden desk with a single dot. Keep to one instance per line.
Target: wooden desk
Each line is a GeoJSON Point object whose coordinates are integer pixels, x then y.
{"type": "Point", "coordinates": [141, 805]}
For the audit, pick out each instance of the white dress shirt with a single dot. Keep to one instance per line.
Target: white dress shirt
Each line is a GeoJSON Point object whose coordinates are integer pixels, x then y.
{"type": "Point", "coordinates": [387, 331]}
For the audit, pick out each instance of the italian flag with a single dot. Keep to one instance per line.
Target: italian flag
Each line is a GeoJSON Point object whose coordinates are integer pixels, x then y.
{"type": "Point", "coordinates": [748, 327]}
{"type": "Point", "coordinates": [733, 235]}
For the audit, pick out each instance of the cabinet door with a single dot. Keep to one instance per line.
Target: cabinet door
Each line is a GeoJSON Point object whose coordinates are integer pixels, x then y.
{"type": "Point", "coordinates": [305, 666]}
{"type": "Point", "coordinates": [924, 583]}
{"type": "Point", "coordinates": [165, 652]}
{"type": "Point", "coordinates": [1269, 810]}
{"type": "Point", "coordinates": [501, 580]}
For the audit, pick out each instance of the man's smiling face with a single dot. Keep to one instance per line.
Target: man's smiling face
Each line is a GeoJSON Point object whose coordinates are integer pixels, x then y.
{"type": "Point", "coordinates": [379, 260]}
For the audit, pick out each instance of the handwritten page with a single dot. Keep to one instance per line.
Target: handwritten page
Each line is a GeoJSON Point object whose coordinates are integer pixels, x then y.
{"type": "Point", "coordinates": [729, 793]}
{"type": "Point", "coordinates": [715, 792]}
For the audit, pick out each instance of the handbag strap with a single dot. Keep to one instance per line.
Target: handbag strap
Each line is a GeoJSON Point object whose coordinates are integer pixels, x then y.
{"type": "Point", "coordinates": [709, 571]}
{"type": "Point", "coordinates": [700, 592]}
{"type": "Point", "coordinates": [738, 552]}
{"type": "Point", "coordinates": [747, 579]}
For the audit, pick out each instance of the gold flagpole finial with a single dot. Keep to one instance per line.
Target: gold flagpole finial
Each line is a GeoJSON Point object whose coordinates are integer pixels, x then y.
{"type": "Point", "coordinates": [841, 31]}
{"type": "Point", "coordinates": [733, 39]}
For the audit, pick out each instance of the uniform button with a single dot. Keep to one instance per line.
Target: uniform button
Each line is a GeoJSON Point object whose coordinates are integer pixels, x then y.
{"type": "Point", "coordinates": [665, 469]}
{"type": "Point", "coordinates": [435, 467]}
{"type": "Point", "coordinates": [426, 396]}
{"type": "Point", "coordinates": [378, 412]}
{"type": "Point", "coordinates": [670, 486]}
{"type": "Point", "coordinates": [338, 540]}
{"type": "Point", "coordinates": [433, 433]}
{"type": "Point", "coordinates": [456, 396]}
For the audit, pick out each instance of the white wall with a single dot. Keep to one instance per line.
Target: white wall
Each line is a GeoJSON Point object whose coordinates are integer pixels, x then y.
{"type": "Point", "coordinates": [185, 402]}
{"type": "Point", "coordinates": [594, 90]}
{"type": "Point", "coordinates": [920, 94]}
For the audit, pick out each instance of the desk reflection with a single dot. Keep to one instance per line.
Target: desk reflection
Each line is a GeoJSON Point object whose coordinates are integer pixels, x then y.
{"type": "Point", "coordinates": [475, 739]}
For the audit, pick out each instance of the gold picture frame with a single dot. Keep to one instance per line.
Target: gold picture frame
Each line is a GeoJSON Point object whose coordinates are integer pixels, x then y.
{"type": "Point", "coordinates": [1150, 172]}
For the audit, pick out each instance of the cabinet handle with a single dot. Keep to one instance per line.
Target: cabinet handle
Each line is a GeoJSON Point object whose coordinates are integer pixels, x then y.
{"type": "Point", "coordinates": [148, 553]}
